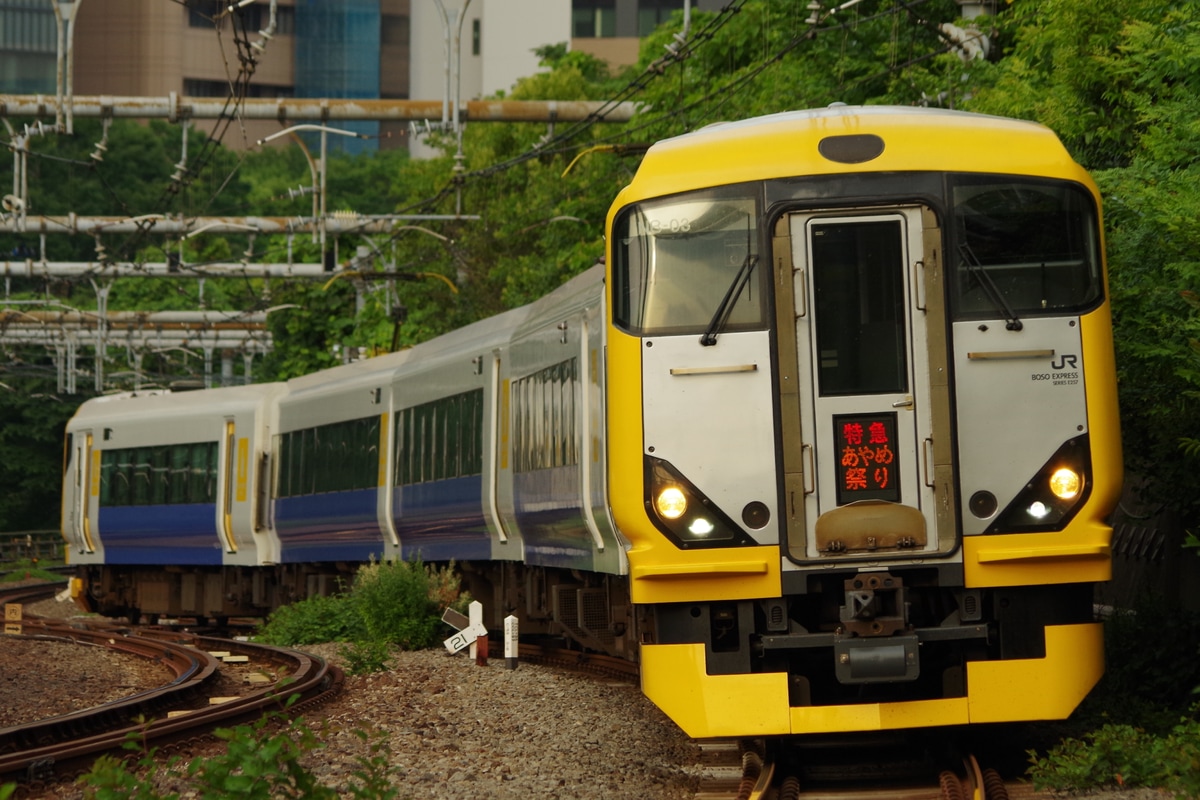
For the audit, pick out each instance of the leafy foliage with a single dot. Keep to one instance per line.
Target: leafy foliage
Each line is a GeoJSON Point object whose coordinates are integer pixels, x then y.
{"type": "Point", "coordinates": [390, 604]}
{"type": "Point", "coordinates": [313, 620]}
{"type": "Point", "coordinates": [112, 778]}
{"type": "Point", "coordinates": [1137, 727]}
{"type": "Point", "coordinates": [263, 760]}
{"type": "Point", "coordinates": [397, 603]}
{"type": "Point", "coordinates": [31, 442]}
{"type": "Point", "coordinates": [1123, 755]}
{"type": "Point", "coordinates": [257, 765]}
{"type": "Point", "coordinates": [1120, 83]}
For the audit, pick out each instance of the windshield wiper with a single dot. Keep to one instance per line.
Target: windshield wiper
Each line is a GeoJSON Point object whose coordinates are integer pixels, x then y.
{"type": "Point", "coordinates": [989, 287]}
{"type": "Point", "coordinates": [721, 317]}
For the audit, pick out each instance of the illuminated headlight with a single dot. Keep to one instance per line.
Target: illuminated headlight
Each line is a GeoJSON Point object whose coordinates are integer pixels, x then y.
{"type": "Point", "coordinates": [1053, 494]}
{"type": "Point", "coordinates": [672, 503]}
{"type": "Point", "coordinates": [1065, 483]}
{"type": "Point", "coordinates": [1038, 510]}
{"type": "Point", "coordinates": [682, 512]}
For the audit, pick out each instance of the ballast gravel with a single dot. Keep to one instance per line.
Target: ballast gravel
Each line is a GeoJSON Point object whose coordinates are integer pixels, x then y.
{"type": "Point", "coordinates": [457, 730]}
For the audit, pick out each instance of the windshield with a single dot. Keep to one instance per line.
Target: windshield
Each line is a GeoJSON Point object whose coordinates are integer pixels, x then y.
{"type": "Point", "coordinates": [685, 265]}
{"type": "Point", "coordinates": [1023, 248]}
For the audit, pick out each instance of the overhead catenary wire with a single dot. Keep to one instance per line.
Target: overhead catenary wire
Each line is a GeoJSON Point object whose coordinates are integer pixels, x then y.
{"type": "Point", "coordinates": [565, 141]}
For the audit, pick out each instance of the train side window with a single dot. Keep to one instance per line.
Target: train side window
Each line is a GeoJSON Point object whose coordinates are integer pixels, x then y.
{"type": "Point", "coordinates": [369, 471]}
{"type": "Point", "coordinates": [544, 417]}
{"type": "Point", "coordinates": [160, 478]}
{"type": "Point", "coordinates": [283, 465]}
{"type": "Point", "coordinates": [202, 473]}
{"type": "Point", "coordinates": [676, 260]}
{"type": "Point", "coordinates": [1023, 247]}
{"type": "Point", "coordinates": [109, 478]}
{"type": "Point", "coordinates": [440, 440]}
{"type": "Point", "coordinates": [403, 447]}
{"type": "Point", "coordinates": [141, 476]}
{"type": "Point", "coordinates": [177, 475]}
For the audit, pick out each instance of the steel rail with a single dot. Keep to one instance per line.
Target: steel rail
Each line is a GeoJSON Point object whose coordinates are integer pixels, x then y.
{"type": "Point", "coordinates": [309, 678]}
{"type": "Point", "coordinates": [192, 670]}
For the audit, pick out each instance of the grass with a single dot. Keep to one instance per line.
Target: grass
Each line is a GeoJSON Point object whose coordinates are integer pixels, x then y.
{"type": "Point", "coordinates": [29, 569]}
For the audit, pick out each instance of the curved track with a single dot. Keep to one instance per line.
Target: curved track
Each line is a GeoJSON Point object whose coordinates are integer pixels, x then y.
{"type": "Point", "coordinates": [63, 747]}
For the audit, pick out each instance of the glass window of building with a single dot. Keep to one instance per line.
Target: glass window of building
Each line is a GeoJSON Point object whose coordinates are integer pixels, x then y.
{"type": "Point", "coordinates": [652, 13]}
{"type": "Point", "coordinates": [593, 19]}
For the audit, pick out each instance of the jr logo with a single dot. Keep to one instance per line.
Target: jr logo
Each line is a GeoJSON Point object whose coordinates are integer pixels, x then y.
{"type": "Point", "coordinates": [1066, 360]}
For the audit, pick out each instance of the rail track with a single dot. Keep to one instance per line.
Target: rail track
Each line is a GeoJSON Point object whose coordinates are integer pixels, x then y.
{"type": "Point", "coordinates": [755, 770]}
{"type": "Point", "coordinates": [752, 769]}
{"type": "Point", "coordinates": [40, 753]}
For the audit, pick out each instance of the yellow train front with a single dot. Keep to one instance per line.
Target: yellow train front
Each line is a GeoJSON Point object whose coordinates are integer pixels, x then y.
{"type": "Point", "coordinates": [862, 426]}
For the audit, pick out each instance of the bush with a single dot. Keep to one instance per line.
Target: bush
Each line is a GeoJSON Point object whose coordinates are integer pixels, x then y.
{"type": "Point", "coordinates": [391, 603]}
{"type": "Point", "coordinates": [365, 657]}
{"type": "Point", "coordinates": [1123, 755]}
{"type": "Point", "coordinates": [401, 602]}
{"type": "Point", "coordinates": [312, 621]}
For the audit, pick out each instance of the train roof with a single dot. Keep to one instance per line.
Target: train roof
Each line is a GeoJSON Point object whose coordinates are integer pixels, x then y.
{"type": "Point", "coordinates": [787, 145]}
{"type": "Point", "coordinates": [477, 339]}
{"type": "Point", "coordinates": [134, 405]}
{"type": "Point", "coordinates": [577, 293]}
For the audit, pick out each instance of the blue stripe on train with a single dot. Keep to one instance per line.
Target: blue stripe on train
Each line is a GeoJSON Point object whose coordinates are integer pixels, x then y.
{"type": "Point", "coordinates": [333, 526]}
{"type": "Point", "coordinates": [160, 534]}
{"type": "Point", "coordinates": [550, 518]}
{"type": "Point", "coordinates": [441, 520]}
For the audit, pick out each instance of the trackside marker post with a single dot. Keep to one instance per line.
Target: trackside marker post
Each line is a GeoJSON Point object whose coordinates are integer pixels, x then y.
{"type": "Point", "coordinates": [12, 618]}
{"type": "Point", "coordinates": [510, 641]}
{"type": "Point", "coordinates": [468, 632]}
{"type": "Point", "coordinates": [455, 620]}
{"type": "Point", "coordinates": [475, 614]}
{"type": "Point", "coordinates": [464, 638]}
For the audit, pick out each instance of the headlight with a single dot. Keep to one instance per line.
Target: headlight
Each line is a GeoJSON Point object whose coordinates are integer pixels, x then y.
{"type": "Point", "coordinates": [682, 512]}
{"type": "Point", "coordinates": [1053, 495]}
{"type": "Point", "coordinates": [671, 502]}
{"type": "Point", "coordinates": [1065, 483]}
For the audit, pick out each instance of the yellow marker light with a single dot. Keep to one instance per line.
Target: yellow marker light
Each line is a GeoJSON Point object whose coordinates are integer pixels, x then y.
{"type": "Point", "coordinates": [671, 503]}
{"type": "Point", "coordinates": [1065, 483]}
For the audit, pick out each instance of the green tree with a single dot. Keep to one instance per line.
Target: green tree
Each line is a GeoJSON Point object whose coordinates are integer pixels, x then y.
{"type": "Point", "coordinates": [31, 447]}
{"type": "Point", "coordinates": [1120, 82]}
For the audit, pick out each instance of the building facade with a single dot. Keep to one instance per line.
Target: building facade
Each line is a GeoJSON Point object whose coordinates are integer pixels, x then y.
{"type": "Point", "coordinates": [390, 49]}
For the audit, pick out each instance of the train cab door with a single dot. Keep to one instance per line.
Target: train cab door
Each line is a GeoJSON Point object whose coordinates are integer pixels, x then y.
{"type": "Point", "coordinates": [83, 473]}
{"type": "Point", "coordinates": [863, 368]}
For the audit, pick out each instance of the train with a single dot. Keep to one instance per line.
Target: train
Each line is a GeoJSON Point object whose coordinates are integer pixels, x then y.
{"type": "Point", "coordinates": [826, 442]}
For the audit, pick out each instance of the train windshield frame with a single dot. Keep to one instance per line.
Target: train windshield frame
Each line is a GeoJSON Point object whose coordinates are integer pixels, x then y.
{"type": "Point", "coordinates": [688, 264]}
{"type": "Point", "coordinates": [1023, 247]}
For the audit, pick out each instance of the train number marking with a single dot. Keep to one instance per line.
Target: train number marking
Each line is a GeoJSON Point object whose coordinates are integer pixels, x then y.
{"type": "Point", "coordinates": [465, 637]}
